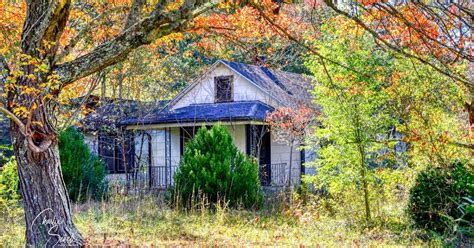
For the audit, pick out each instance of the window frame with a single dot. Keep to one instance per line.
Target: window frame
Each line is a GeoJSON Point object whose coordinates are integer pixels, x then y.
{"type": "Point", "coordinates": [231, 81]}
{"type": "Point", "coordinates": [114, 157]}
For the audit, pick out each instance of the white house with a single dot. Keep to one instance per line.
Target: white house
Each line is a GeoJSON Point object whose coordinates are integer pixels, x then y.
{"type": "Point", "coordinates": [234, 94]}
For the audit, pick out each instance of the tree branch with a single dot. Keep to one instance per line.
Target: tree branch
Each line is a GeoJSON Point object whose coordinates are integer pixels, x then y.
{"type": "Point", "coordinates": [75, 40]}
{"type": "Point", "coordinates": [458, 78]}
{"type": "Point", "coordinates": [44, 24]}
{"type": "Point", "coordinates": [158, 24]}
{"type": "Point", "coordinates": [135, 13]}
{"type": "Point", "coordinates": [15, 119]}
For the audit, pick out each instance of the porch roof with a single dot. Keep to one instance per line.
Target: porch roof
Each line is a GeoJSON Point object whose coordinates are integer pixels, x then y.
{"type": "Point", "coordinates": [207, 112]}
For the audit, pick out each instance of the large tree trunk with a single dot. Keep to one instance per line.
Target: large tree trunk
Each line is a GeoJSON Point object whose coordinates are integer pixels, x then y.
{"type": "Point", "coordinates": [46, 203]}
{"type": "Point", "coordinates": [47, 210]}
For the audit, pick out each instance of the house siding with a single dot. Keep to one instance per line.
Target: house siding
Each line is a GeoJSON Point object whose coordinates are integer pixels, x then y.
{"type": "Point", "coordinates": [280, 153]}
{"type": "Point", "coordinates": [238, 136]}
{"type": "Point", "coordinates": [92, 142]}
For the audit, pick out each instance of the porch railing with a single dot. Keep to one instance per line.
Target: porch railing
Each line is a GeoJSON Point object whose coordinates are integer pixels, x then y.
{"type": "Point", "coordinates": [274, 174]}
{"type": "Point", "coordinates": [161, 177]}
{"type": "Point", "coordinates": [155, 177]}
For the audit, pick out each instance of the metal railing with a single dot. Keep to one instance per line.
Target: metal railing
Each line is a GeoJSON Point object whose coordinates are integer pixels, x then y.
{"type": "Point", "coordinates": [154, 177]}
{"type": "Point", "coordinates": [273, 174]}
{"type": "Point", "coordinates": [162, 177]}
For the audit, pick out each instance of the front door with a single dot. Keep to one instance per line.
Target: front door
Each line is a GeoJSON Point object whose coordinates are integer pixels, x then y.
{"type": "Point", "coordinates": [265, 160]}
{"type": "Point", "coordinates": [259, 143]}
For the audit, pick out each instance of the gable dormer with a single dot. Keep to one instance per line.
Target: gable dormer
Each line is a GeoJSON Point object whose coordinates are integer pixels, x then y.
{"type": "Point", "coordinates": [227, 81]}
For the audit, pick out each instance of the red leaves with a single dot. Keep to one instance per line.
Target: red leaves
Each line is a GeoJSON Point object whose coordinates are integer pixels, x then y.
{"type": "Point", "coordinates": [290, 124]}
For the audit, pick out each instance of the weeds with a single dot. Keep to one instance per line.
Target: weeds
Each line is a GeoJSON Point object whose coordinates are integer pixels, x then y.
{"type": "Point", "coordinates": [146, 220]}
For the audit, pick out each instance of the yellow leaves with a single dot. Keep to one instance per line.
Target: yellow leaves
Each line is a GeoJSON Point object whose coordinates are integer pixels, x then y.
{"type": "Point", "coordinates": [21, 111]}
{"type": "Point", "coordinates": [166, 42]}
{"type": "Point", "coordinates": [25, 90]}
{"type": "Point", "coordinates": [174, 6]}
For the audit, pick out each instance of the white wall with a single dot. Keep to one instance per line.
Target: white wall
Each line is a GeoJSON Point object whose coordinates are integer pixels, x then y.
{"type": "Point", "coordinates": [158, 143]}
{"type": "Point", "coordinates": [238, 136]}
{"type": "Point", "coordinates": [203, 92]}
{"type": "Point", "coordinates": [280, 153]}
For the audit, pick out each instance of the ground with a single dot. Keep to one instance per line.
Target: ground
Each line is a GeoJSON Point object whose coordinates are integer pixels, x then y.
{"type": "Point", "coordinates": [146, 220]}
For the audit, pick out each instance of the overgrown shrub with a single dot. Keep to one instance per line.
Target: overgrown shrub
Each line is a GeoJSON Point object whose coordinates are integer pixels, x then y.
{"type": "Point", "coordinates": [438, 199]}
{"type": "Point", "coordinates": [10, 208]}
{"type": "Point", "coordinates": [9, 181]}
{"type": "Point", "coordinates": [83, 172]}
{"type": "Point", "coordinates": [213, 168]}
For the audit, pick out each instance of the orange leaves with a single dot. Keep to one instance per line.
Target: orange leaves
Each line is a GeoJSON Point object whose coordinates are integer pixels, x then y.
{"type": "Point", "coordinates": [12, 16]}
{"type": "Point", "coordinates": [247, 26]}
{"type": "Point", "coordinates": [289, 124]}
{"type": "Point", "coordinates": [371, 2]}
{"type": "Point", "coordinates": [422, 29]}
{"type": "Point", "coordinates": [167, 42]}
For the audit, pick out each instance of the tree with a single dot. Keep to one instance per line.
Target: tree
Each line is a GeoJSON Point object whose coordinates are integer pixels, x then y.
{"type": "Point", "coordinates": [35, 82]}
{"type": "Point", "coordinates": [49, 59]}
{"type": "Point", "coordinates": [353, 118]}
{"type": "Point", "coordinates": [435, 34]}
{"type": "Point", "coordinates": [366, 116]}
{"type": "Point", "coordinates": [290, 126]}
{"type": "Point", "coordinates": [213, 169]}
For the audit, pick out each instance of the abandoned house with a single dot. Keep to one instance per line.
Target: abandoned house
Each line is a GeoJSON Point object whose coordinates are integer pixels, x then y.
{"type": "Point", "coordinates": [141, 143]}
{"type": "Point", "coordinates": [148, 149]}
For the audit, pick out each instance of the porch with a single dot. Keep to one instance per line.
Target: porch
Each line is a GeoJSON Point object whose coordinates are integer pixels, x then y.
{"type": "Point", "coordinates": [160, 140]}
{"type": "Point", "coordinates": [161, 177]}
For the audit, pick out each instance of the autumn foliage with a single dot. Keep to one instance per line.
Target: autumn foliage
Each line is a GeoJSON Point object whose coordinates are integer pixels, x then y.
{"type": "Point", "coordinates": [290, 124]}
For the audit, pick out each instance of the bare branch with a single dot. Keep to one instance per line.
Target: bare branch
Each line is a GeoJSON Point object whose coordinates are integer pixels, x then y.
{"type": "Point", "coordinates": [15, 119]}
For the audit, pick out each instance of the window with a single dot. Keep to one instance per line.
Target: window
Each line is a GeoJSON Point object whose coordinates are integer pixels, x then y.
{"type": "Point", "coordinates": [111, 148]}
{"type": "Point", "coordinates": [223, 89]}
{"type": "Point", "coordinates": [107, 151]}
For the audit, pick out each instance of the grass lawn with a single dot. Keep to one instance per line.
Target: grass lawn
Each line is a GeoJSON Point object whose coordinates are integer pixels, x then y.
{"type": "Point", "coordinates": [147, 221]}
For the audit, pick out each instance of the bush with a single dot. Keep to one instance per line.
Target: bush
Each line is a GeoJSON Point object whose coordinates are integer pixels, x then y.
{"type": "Point", "coordinates": [83, 172]}
{"type": "Point", "coordinates": [437, 201]}
{"type": "Point", "coordinates": [213, 167]}
{"type": "Point", "coordinates": [9, 181]}
{"type": "Point", "coordinates": [10, 208]}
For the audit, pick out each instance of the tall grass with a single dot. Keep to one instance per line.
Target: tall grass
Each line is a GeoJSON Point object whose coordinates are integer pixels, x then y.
{"type": "Point", "coordinates": [147, 220]}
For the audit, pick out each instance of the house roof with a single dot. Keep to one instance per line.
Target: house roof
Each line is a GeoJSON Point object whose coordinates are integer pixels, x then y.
{"type": "Point", "coordinates": [285, 87]}
{"type": "Point", "coordinates": [107, 115]}
{"type": "Point", "coordinates": [207, 112]}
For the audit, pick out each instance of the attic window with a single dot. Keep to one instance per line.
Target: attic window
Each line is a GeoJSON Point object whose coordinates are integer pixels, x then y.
{"type": "Point", "coordinates": [223, 89]}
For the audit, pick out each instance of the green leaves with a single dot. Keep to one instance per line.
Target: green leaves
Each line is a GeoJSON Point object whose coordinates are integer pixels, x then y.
{"type": "Point", "coordinates": [83, 172]}
{"type": "Point", "coordinates": [212, 168]}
